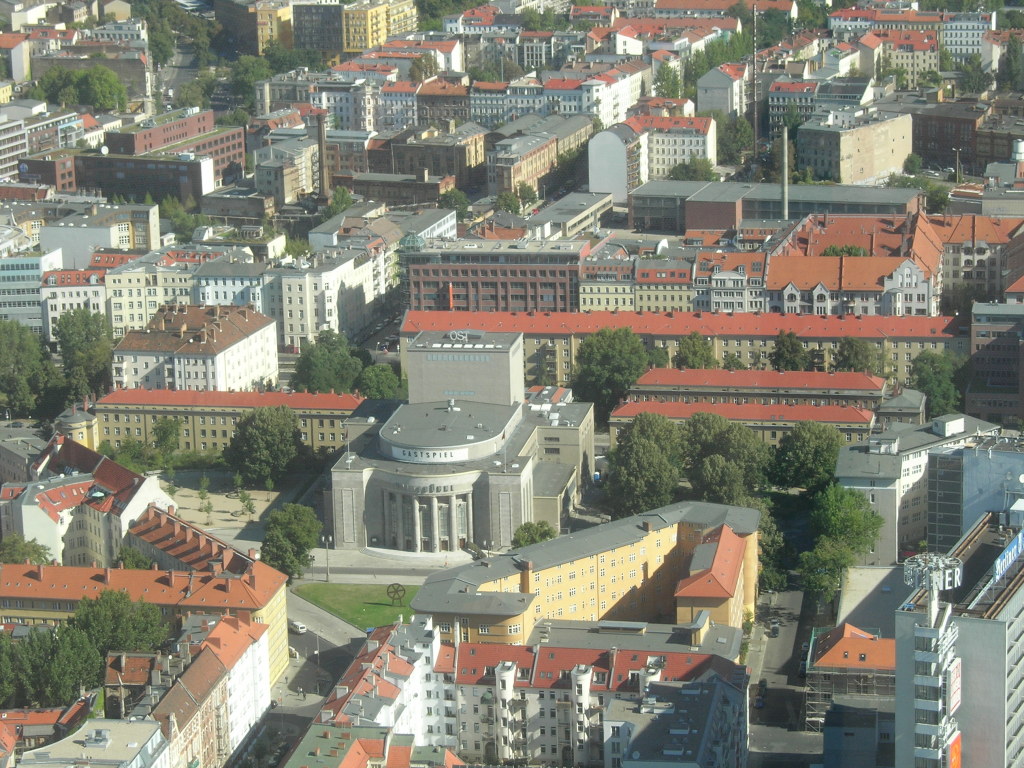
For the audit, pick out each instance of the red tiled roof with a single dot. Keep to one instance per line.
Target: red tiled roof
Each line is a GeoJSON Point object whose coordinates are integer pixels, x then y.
{"type": "Point", "coordinates": [1016, 287]}
{"type": "Point", "coordinates": [753, 379]}
{"type": "Point", "coordinates": [973, 228]}
{"type": "Point", "coordinates": [658, 124]}
{"type": "Point", "coordinates": [481, 85]}
{"type": "Point", "coordinates": [10, 40]}
{"type": "Point", "coordinates": [679, 324]}
{"type": "Point", "coordinates": [851, 648]}
{"type": "Point", "coordinates": [750, 412]}
{"type": "Point", "coordinates": [720, 580]}
{"type": "Point", "coordinates": [130, 669]}
{"type": "Point", "coordinates": [400, 86]}
{"type": "Point", "coordinates": [562, 84]}
{"type": "Point", "coordinates": [182, 398]}
{"type": "Point", "coordinates": [72, 277]}
{"type": "Point", "coordinates": [232, 637]}
{"type": "Point", "coordinates": [793, 87]}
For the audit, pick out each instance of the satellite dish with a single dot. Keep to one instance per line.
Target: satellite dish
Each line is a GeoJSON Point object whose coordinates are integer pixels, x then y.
{"type": "Point", "coordinates": [104, 150]}
{"type": "Point", "coordinates": [1020, 479]}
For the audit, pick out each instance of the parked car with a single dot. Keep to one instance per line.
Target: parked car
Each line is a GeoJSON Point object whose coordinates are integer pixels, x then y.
{"type": "Point", "coordinates": [297, 627]}
{"type": "Point", "coordinates": [773, 628]}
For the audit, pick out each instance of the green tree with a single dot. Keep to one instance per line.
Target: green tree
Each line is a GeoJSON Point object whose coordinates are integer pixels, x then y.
{"type": "Point", "coordinates": [732, 362]}
{"type": "Point", "coordinates": [53, 667]}
{"type": "Point", "coordinates": [14, 549]}
{"type": "Point", "coordinates": [101, 88]}
{"type": "Point", "coordinates": [112, 622]}
{"type": "Point", "coordinates": [265, 442]}
{"type": "Point", "coordinates": [131, 558]}
{"type": "Point", "coordinates": [378, 382]}
{"type": "Point", "coordinates": [789, 353]}
{"type": "Point", "coordinates": [166, 433]}
{"type": "Point", "coordinates": [456, 200]}
{"type": "Point", "coordinates": [608, 363]}
{"type": "Point", "coordinates": [806, 456]}
{"type": "Point", "coordinates": [526, 193]}
{"type": "Point", "coordinates": [643, 468]}
{"type": "Point", "coordinates": [282, 59]}
{"type": "Point", "coordinates": [245, 73]}
{"type": "Point", "coordinates": [327, 365]}
{"type": "Point", "coordinates": [722, 460]}
{"type": "Point", "coordinates": [86, 346]}
{"type": "Point", "coordinates": [24, 369]}
{"type": "Point", "coordinates": [8, 681]}
{"type": "Point", "coordinates": [912, 165]}
{"type": "Point", "coordinates": [292, 531]}
{"type": "Point", "coordinates": [667, 82]}
{"type": "Point", "coordinates": [845, 515]}
{"type": "Point", "coordinates": [735, 137]}
{"type": "Point", "coordinates": [248, 504]}
{"type": "Point", "coordinates": [822, 568]}
{"type": "Point", "coordinates": [532, 533]}
{"type": "Point", "coordinates": [975, 78]}
{"type": "Point", "coordinates": [935, 374]}
{"type": "Point", "coordinates": [423, 68]}
{"type": "Point", "coordinates": [341, 201]}
{"type": "Point", "coordinates": [858, 355]}
{"type": "Point", "coordinates": [508, 201]}
{"type": "Point", "coordinates": [695, 352]}
{"type": "Point", "coordinates": [698, 169]}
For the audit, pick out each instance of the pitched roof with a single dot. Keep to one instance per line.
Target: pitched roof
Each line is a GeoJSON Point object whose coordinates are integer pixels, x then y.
{"type": "Point", "coordinates": [185, 698]}
{"type": "Point", "coordinates": [660, 124]}
{"type": "Point", "coordinates": [72, 277]}
{"type": "Point", "coordinates": [714, 566]}
{"type": "Point", "coordinates": [750, 412]}
{"type": "Point", "coordinates": [973, 228]}
{"type": "Point", "coordinates": [679, 324]}
{"type": "Point", "coordinates": [200, 330]}
{"type": "Point", "coordinates": [847, 647]}
{"type": "Point", "coordinates": [129, 668]}
{"type": "Point", "coordinates": [754, 379]}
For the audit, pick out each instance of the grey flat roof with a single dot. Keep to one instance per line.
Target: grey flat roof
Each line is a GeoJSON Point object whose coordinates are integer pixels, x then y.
{"type": "Point", "coordinates": [496, 339]}
{"type": "Point", "coordinates": [571, 206]}
{"type": "Point", "coordinates": [433, 425]}
{"type": "Point", "coordinates": [719, 639]}
{"type": "Point", "coordinates": [731, 190]}
{"type": "Point", "coordinates": [997, 309]}
{"type": "Point", "coordinates": [457, 589]}
{"type": "Point", "coordinates": [870, 596]}
{"type": "Point", "coordinates": [550, 479]}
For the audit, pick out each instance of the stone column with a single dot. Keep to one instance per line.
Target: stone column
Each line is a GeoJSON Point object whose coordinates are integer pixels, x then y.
{"type": "Point", "coordinates": [399, 516]}
{"type": "Point", "coordinates": [469, 515]}
{"type": "Point", "coordinates": [453, 523]}
{"type": "Point", "coordinates": [416, 524]}
{"type": "Point", "coordinates": [435, 537]}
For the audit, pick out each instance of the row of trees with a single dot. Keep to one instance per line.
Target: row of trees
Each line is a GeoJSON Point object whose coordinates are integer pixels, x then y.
{"type": "Point", "coordinates": [331, 365]}
{"type": "Point", "coordinates": [49, 668]}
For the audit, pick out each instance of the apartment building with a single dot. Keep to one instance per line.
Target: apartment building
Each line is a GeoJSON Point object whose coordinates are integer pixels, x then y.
{"type": "Point", "coordinates": [715, 385]}
{"type": "Point", "coordinates": [607, 283]}
{"type": "Point", "coordinates": [854, 145]}
{"type": "Point", "coordinates": [137, 289]}
{"type": "Point", "coordinates": [977, 252]}
{"type": "Point", "coordinates": [23, 271]}
{"type": "Point", "coordinates": [208, 418]}
{"type": "Point", "coordinates": [769, 422]}
{"type": "Point", "coordinates": [79, 504]}
{"type": "Point", "coordinates": [668, 563]}
{"type": "Point", "coordinates": [891, 470]}
{"type": "Point", "coordinates": [723, 89]}
{"type": "Point", "coordinates": [65, 290]}
{"type": "Point", "coordinates": [273, 22]}
{"type": "Point", "coordinates": [996, 381]}
{"type": "Point", "coordinates": [664, 285]}
{"type": "Point", "coordinates": [319, 26]}
{"type": "Point", "coordinates": [912, 51]}
{"type": "Point", "coordinates": [365, 25]}
{"type": "Point", "coordinates": [556, 336]}
{"type": "Point", "coordinates": [204, 348]}
{"type": "Point", "coordinates": [519, 160]}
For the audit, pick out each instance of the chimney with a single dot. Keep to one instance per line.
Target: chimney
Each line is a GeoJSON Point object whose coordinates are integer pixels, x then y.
{"type": "Point", "coordinates": [321, 133]}
{"type": "Point", "coordinates": [181, 331]}
{"type": "Point", "coordinates": [525, 577]}
{"type": "Point", "coordinates": [424, 175]}
{"type": "Point", "coordinates": [163, 322]}
{"type": "Point", "coordinates": [106, 575]}
{"type": "Point", "coordinates": [785, 176]}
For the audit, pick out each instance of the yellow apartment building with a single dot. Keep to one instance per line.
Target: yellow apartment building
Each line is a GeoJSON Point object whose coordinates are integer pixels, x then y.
{"type": "Point", "coordinates": [273, 22]}
{"type": "Point", "coordinates": [365, 25]}
{"type": "Point", "coordinates": [402, 17]}
{"type": "Point", "coordinates": [208, 418]}
{"type": "Point", "coordinates": [650, 567]}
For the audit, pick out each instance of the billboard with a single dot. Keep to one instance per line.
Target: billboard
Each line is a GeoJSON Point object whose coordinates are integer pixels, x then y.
{"type": "Point", "coordinates": [953, 685]}
{"type": "Point", "coordinates": [1009, 555]}
{"type": "Point", "coordinates": [953, 752]}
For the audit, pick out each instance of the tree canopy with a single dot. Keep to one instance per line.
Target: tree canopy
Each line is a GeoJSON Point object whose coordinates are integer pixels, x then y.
{"type": "Point", "coordinates": [96, 86]}
{"type": "Point", "coordinates": [456, 200]}
{"type": "Point", "coordinates": [86, 346]}
{"type": "Point", "coordinates": [327, 365]}
{"type": "Point", "coordinates": [112, 622]}
{"type": "Point", "coordinates": [806, 456]}
{"type": "Point", "coordinates": [845, 515]}
{"type": "Point", "coordinates": [935, 374]}
{"type": "Point", "coordinates": [378, 382]}
{"type": "Point", "coordinates": [533, 533]}
{"type": "Point", "coordinates": [292, 531]}
{"type": "Point", "coordinates": [789, 353]}
{"type": "Point", "coordinates": [14, 549]}
{"type": "Point", "coordinates": [697, 169]}
{"type": "Point", "coordinates": [643, 468]}
{"type": "Point", "coordinates": [858, 355]}
{"type": "Point", "coordinates": [265, 442]}
{"type": "Point", "coordinates": [508, 201]}
{"type": "Point", "coordinates": [723, 460]}
{"type": "Point", "coordinates": [667, 82]}
{"type": "Point", "coordinates": [695, 352]}
{"type": "Point", "coordinates": [608, 363]}
{"type": "Point", "coordinates": [24, 369]}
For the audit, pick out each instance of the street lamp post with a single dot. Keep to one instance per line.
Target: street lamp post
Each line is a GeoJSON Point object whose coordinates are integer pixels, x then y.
{"type": "Point", "coordinates": [956, 171]}
{"type": "Point", "coordinates": [327, 540]}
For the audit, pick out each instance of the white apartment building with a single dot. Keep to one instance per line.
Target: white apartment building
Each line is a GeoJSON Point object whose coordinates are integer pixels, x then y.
{"type": "Point", "coordinates": [65, 290]}
{"type": "Point", "coordinates": [675, 140]}
{"type": "Point", "coordinates": [963, 34]}
{"type": "Point", "coordinates": [231, 279]}
{"type": "Point", "coordinates": [352, 105]}
{"type": "Point", "coordinates": [396, 105]}
{"type": "Point", "coordinates": [204, 348]}
{"type": "Point", "coordinates": [79, 230]}
{"type": "Point", "coordinates": [891, 470]}
{"type": "Point", "coordinates": [13, 146]}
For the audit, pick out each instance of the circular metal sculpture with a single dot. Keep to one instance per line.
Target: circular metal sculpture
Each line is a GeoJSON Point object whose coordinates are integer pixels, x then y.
{"type": "Point", "coordinates": [397, 593]}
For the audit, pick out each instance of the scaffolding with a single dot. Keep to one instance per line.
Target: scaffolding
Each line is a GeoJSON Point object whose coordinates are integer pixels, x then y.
{"type": "Point", "coordinates": [823, 684]}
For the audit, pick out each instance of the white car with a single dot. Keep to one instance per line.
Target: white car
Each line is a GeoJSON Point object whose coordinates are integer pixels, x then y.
{"type": "Point", "coordinates": [297, 627]}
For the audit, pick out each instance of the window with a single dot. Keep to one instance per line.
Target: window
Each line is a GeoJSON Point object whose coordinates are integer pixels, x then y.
{"type": "Point", "coordinates": [484, 629]}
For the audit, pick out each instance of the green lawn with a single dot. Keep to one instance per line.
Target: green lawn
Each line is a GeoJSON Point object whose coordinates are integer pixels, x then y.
{"type": "Point", "coordinates": [361, 605]}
